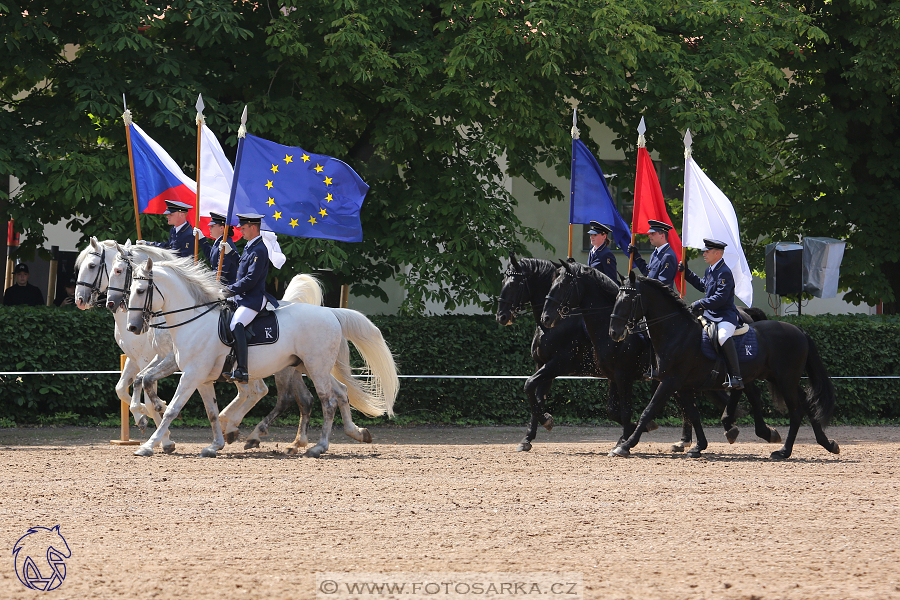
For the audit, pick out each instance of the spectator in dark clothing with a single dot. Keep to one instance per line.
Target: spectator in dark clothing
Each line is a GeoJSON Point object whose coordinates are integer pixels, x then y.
{"type": "Point", "coordinates": [21, 292]}
{"type": "Point", "coordinates": [67, 300]}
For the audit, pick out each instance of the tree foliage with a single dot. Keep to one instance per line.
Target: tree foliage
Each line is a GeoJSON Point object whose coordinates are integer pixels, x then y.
{"type": "Point", "coordinates": [436, 105]}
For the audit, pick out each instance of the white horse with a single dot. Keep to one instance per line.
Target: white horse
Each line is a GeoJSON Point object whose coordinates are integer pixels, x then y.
{"type": "Point", "coordinates": [310, 341]}
{"type": "Point", "coordinates": [302, 288]}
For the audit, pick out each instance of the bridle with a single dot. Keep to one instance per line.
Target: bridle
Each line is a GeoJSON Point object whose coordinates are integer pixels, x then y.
{"type": "Point", "coordinates": [148, 313]}
{"type": "Point", "coordinates": [517, 308]}
{"type": "Point", "coordinates": [637, 302]}
{"type": "Point", "coordinates": [565, 309]}
{"type": "Point", "coordinates": [126, 287]}
{"type": "Point", "coordinates": [94, 286]}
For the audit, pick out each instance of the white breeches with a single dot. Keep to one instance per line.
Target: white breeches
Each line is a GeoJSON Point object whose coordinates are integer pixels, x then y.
{"type": "Point", "coordinates": [724, 330]}
{"type": "Point", "coordinates": [244, 315]}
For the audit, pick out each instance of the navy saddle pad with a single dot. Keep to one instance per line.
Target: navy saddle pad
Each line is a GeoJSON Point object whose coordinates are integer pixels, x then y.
{"type": "Point", "coordinates": [747, 346]}
{"type": "Point", "coordinates": [261, 331]}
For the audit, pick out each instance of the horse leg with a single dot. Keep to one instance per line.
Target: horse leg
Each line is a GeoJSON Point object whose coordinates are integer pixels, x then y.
{"type": "Point", "coordinates": [125, 380]}
{"type": "Point", "coordinates": [283, 384]}
{"type": "Point", "coordinates": [148, 377]}
{"type": "Point", "coordinates": [662, 393]}
{"type": "Point", "coordinates": [687, 432]}
{"type": "Point", "coordinates": [304, 403]}
{"type": "Point", "coordinates": [189, 382]}
{"type": "Point", "coordinates": [792, 400]}
{"type": "Point", "coordinates": [830, 445]}
{"type": "Point", "coordinates": [350, 428]}
{"type": "Point", "coordinates": [689, 408]}
{"type": "Point", "coordinates": [729, 414]}
{"type": "Point", "coordinates": [763, 431]}
{"type": "Point", "coordinates": [323, 382]}
{"type": "Point", "coordinates": [248, 395]}
{"type": "Point", "coordinates": [535, 386]}
{"type": "Point", "coordinates": [208, 393]}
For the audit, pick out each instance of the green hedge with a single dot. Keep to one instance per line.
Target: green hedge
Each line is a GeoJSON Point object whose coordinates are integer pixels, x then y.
{"type": "Point", "coordinates": [49, 339]}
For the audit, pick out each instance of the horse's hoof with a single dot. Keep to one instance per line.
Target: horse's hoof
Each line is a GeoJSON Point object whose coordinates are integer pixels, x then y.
{"type": "Point", "coordinates": [774, 436]}
{"type": "Point", "coordinates": [292, 450]}
{"type": "Point", "coordinates": [679, 447]}
{"type": "Point", "coordinates": [366, 436]}
{"type": "Point", "coordinates": [143, 451]}
{"type": "Point", "coordinates": [548, 422]}
{"type": "Point", "coordinates": [315, 452]}
{"type": "Point", "coordinates": [732, 434]}
{"type": "Point", "coordinates": [232, 436]}
{"type": "Point", "coordinates": [208, 453]}
{"type": "Point", "coordinates": [693, 453]}
{"type": "Point", "coordinates": [142, 423]}
{"type": "Point", "coordinates": [523, 447]}
{"type": "Point", "coordinates": [620, 451]}
{"type": "Point", "coordinates": [251, 443]}
{"type": "Point", "coordinates": [835, 449]}
{"type": "Point", "coordinates": [169, 448]}
{"type": "Point", "coordinates": [780, 455]}
{"type": "Point", "coordinates": [651, 426]}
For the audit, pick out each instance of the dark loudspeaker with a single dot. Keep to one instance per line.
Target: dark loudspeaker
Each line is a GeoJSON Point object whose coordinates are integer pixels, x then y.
{"type": "Point", "coordinates": [784, 269]}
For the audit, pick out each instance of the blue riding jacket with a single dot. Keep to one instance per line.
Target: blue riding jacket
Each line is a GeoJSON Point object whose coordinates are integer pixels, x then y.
{"type": "Point", "coordinates": [604, 261]}
{"type": "Point", "coordinates": [180, 241]}
{"type": "Point", "coordinates": [718, 285]}
{"type": "Point", "coordinates": [250, 281]}
{"type": "Point", "coordinates": [663, 265]}
{"type": "Point", "coordinates": [229, 263]}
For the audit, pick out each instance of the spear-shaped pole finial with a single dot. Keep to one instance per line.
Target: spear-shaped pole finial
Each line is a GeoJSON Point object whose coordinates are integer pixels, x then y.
{"type": "Point", "coordinates": [242, 130]}
{"type": "Point", "coordinates": [688, 140]}
{"type": "Point", "coordinates": [199, 106]}
{"type": "Point", "coordinates": [126, 114]}
{"type": "Point", "coordinates": [642, 128]}
{"type": "Point", "coordinates": [575, 132]}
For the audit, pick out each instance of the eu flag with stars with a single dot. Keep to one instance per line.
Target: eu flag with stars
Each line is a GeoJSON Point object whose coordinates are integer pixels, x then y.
{"type": "Point", "coordinates": [298, 193]}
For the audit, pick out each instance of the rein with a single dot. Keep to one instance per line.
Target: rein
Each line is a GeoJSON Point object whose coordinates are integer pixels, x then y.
{"type": "Point", "coordinates": [632, 324]}
{"type": "Point", "coordinates": [147, 313]}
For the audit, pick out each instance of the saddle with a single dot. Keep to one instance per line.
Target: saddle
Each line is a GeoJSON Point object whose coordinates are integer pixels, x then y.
{"type": "Point", "coordinates": [261, 331]}
{"type": "Point", "coordinates": [709, 332]}
{"type": "Point", "coordinates": [745, 342]}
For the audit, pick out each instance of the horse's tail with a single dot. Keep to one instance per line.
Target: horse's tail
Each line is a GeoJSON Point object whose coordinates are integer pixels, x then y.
{"type": "Point", "coordinates": [304, 289]}
{"type": "Point", "coordinates": [375, 395]}
{"type": "Point", "coordinates": [821, 398]}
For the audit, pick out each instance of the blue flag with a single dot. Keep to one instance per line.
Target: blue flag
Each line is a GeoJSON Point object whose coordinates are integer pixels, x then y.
{"type": "Point", "coordinates": [591, 200]}
{"type": "Point", "coordinates": [298, 193]}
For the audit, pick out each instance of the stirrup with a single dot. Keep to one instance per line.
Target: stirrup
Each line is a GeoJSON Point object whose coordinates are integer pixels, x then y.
{"type": "Point", "coordinates": [733, 382]}
{"type": "Point", "coordinates": [239, 376]}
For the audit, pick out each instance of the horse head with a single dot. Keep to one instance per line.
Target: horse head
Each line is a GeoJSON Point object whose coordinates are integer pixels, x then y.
{"type": "Point", "coordinates": [565, 293]}
{"type": "Point", "coordinates": [92, 270]}
{"type": "Point", "coordinates": [120, 277]}
{"type": "Point", "coordinates": [627, 310]}
{"type": "Point", "coordinates": [514, 292]}
{"type": "Point", "coordinates": [140, 299]}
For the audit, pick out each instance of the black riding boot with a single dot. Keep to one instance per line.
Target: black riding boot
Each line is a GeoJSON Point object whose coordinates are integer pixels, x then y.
{"type": "Point", "coordinates": [240, 374]}
{"type": "Point", "coordinates": [735, 382]}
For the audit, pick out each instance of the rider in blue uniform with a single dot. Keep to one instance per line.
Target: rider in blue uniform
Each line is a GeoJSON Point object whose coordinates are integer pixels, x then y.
{"type": "Point", "coordinates": [718, 305]}
{"type": "Point", "coordinates": [181, 236]}
{"type": "Point", "coordinates": [230, 259]}
{"type": "Point", "coordinates": [600, 256]}
{"type": "Point", "coordinates": [249, 289]}
{"type": "Point", "coordinates": [663, 264]}
{"type": "Point", "coordinates": [663, 267]}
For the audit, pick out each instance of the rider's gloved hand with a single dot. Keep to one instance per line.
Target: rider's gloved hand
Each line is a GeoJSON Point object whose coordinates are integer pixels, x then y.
{"type": "Point", "coordinates": [697, 308]}
{"type": "Point", "coordinates": [140, 243]}
{"type": "Point", "coordinates": [198, 233]}
{"type": "Point", "coordinates": [226, 248]}
{"type": "Point", "coordinates": [681, 267]}
{"type": "Point", "coordinates": [632, 249]}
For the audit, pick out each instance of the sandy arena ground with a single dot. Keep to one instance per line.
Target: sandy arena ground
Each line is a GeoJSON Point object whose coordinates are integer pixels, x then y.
{"type": "Point", "coordinates": [259, 524]}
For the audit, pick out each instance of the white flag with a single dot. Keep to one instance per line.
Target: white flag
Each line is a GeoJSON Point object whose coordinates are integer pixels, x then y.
{"type": "Point", "coordinates": [216, 174]}
{"type": "Point", "coordinates": [708, 213]}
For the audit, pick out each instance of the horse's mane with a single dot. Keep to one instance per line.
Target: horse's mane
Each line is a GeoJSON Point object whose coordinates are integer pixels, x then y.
{"type": "Point", "coordinates": [151, 251]}
{"type": "Point", "coordinates": [607, 285]}
{"type": "Point", "coordinates": [201, 281]}
{"type": "Point", "coordinates": [538, 267]}
{"type": "Point", "coordinates": [157, 254]}
{"type": "Point", "coordinates": [667, 293]}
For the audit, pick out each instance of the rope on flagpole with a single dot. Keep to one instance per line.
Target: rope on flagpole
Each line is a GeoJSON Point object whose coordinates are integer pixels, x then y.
{"type": "Point", "coordinates": [199, 107]}
{"type": "Point", "coordinates": [126, 117]}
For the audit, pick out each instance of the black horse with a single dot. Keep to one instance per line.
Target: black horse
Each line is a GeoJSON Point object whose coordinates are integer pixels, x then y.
{"type": "Point", "coordinates": [785, 351]}
{"type": "Point", "coordinates": [566, 349]}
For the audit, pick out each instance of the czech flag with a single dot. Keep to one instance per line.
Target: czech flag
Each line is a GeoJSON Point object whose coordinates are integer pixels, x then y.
{"type": "Point", "coordinates": [157, 177]}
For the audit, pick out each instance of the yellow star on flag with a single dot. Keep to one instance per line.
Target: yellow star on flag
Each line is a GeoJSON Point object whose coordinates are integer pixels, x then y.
{"type": "Point", "coordinates": [305, 157]}
{"type": "Point", "coordinates": [323, 213]}
{"type": "Point", "coordinates": [277, 215]}
{"type": "Point", "coordinates": [271, 202]}
{"type": "Point", "coordinates": [268, 184]}
{"type": "Point", "coordinates": [329, 197]}
{"type": "Point", "coordinates": [312, 220]}
{"type": "Point", "coordinates": [274, 168]}
{"type": "Point", "coordinates": [288, 159]}
{"type": "Point", "coordinates": [327, 181]}
{"type": "Point", "coordinates": [294, 223]}
{"type": "Point", "coordinates": [319, 168]}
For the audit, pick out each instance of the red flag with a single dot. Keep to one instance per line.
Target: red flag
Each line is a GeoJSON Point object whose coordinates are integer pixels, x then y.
{"type": "Point", "coordinates": [649, 204]}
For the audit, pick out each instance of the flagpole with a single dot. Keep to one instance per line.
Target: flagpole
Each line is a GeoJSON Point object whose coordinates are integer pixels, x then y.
{"type": "Point", "coordinates": [572, 179]}
{"type": "Point", "coordinates": [242, 134]}
{"type": "Point", "coordinates": [641, 143]}
{"type": "Point", "coordinates": [688, 140]}
{"type": "Point", "coordinates": [126, 117]}
{"type": "Point", "coordinates": [199, 106]}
